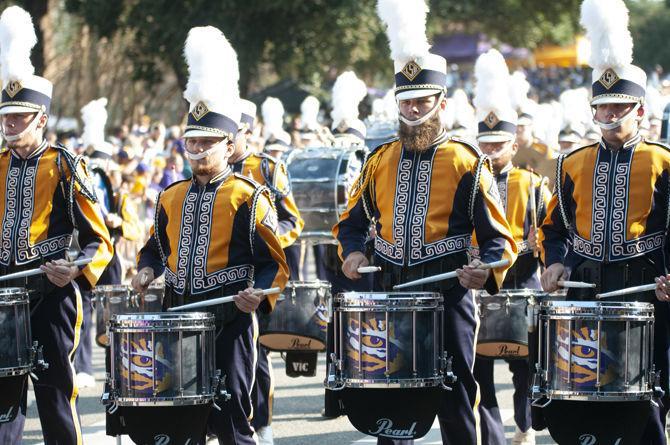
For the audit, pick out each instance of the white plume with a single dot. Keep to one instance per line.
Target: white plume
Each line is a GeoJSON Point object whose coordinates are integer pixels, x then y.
{"type": "Point", "coordinates": [213, 71]}
{"type": "Point", "coordinates": [519, 88]}
{"type": "Point", "coordinates": [94, 116]}
{"type": "Point", "coordinates": [655, 103]}
{"type": "Point", "coordinates": [492, 87]}
{"type": "Point", "coordinates": [309, 113]}
{"type": "Point", "coordinates": [575, 106]}
{"type": "Point", "coordinates": [606, 24]}
{"type": "Point", "coordinates": [272, 111]}
{"type": "Point", "coordinates": [405, 21]}
{"type": "Point", "coordinates": [348, 92]}
{"type": "Point", "coordinates": [17, 39]}
{"type": "Point", "coordinates": [464, 113]}
{"type": "Point", "coordinates": [391, 105]}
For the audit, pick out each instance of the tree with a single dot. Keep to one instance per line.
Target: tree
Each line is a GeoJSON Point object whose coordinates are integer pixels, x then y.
{"type": "Point", "coordinates": [650, 27]}
{"type": "Point", "coordinates": [305, 40]}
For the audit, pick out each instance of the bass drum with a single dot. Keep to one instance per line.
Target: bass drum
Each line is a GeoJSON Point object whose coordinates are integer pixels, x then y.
{"type": "Point", "coordinates": [320, 180]}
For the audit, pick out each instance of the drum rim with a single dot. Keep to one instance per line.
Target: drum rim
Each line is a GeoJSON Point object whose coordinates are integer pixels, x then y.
{"type": "Point", "coordinates": [13, 291]}
{"type": "Point", "coordinates": [609, 305]}
{"type": "Point", "coordinates": [15, 370]}
{"type": "Point", "coordinates": [104, 288]}
{"type": "Point", "coordinates": [424, 382]}
{"type": "Point", "coordinates": [165, 316]}
{"type": "Point", "coordinates": [507, 293]}
{"type": "Point", "coordinates": [199, 399]}
{"type": "Point", "coordinates": [307, 284]}
{"type": "Point", "coordinates": [593, 395]}
{"type": "Point", "coordinates": [350, 295]}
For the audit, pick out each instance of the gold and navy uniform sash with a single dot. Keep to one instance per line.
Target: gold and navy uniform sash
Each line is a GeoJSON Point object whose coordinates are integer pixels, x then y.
{"type": "Point", "coordinates": [206, 238]}
{"type": "Point", "coordinates": [610, 205]}
{"type": "Point", "coordinates": [425, 205]}
{"type": "Point", "coordinates": [43, 198]}
{"type": "Point", "coordinates": [272, 173]}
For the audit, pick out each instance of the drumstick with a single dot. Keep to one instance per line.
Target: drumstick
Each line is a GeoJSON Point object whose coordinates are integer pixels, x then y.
{"type": "Point", "coordinates": [533, 211]}
{"type": "Point", "coordinates": [575, 284]}
{"type": "Point", "coordinates": [38, 271]}
{"type": "Point", "coordinates": [368, 269]}
{"type": "Point", "coordinates": [628, 290]}
{"type": "Point", "coordinates": [221, 300]}
{"type": "Point", "coordinates": [449, 275]}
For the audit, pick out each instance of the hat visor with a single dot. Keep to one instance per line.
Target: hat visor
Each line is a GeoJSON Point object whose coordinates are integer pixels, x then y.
{"type": "Point", "coordinates": [15, 109]}
{"type": "Point", "coordinates": [202, 134]}
{"type": "Point", "coordinates": [606, 99]}
{"type": "Point", "coordinates": [495, 138]}
{"type": "Point", "coordinates": [524, 121]}
{"type": "Point", "coordinates": [414, 94]}
{"type": "Point", "coordinates": [572, 139]}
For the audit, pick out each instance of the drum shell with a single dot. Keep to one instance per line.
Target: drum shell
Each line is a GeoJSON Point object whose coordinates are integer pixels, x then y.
{"type": "Point", "coordinates": [171, 357]}
{"type": "Point", "coordinates": [402, 339]}
{"type": "Point", "coordinates": [320, 181]}
{"type": "Point", "coordinates": [110, 300]}
{"type": "Point", "coordinates": [596, 351]}
{"type": "Point", "coordinates": [15, 333]}
{"type": "Point", "coordinates": [299, 319]}
{"type": "Point", "coordinates": [505, 319]}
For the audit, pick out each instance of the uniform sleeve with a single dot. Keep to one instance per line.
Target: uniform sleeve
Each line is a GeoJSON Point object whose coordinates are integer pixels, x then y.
{"type": "Point", "coordinates": [151, 255]}
{"type": "Point", "coordinates": [493, 234]}
{"type": "Point", "coordinates": [290, 222]}
{"type": "Point", "coordinates": [351, 231]}
{"type": "Point", "coordinates": [554, 235]}
{"type": "Point", "coordinates": [94, 238]}
{"type": "Point", "coordinates": [131, 227]}
{"type": "Point", "coordinates": [270, 268]}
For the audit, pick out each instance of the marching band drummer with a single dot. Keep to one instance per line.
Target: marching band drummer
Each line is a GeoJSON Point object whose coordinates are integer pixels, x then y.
{"type": "Point", "coordinates": [120, 218]}
{"type": "Point", "coordinates": [496, 138]}
{"type": "Point", "coordinates": [608, 218]}
{"type": "Point", "coordinates": [216, 234]}
{"type": "Point", "coordinates": [426, 193]}
{"type": "Point", "coordinates": [271, 173]}
{"type": "Point", "coordinates": [46, 194]}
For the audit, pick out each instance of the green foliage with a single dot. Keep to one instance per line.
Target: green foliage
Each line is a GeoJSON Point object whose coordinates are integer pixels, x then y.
{"type": "Point", "coordinates": [650, 27]}
{"type": "Point", "coordinates": [308, 40]}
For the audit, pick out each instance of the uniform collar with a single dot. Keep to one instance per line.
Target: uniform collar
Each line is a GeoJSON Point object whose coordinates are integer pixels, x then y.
{"type": "Point", "coordinates": [506, 169]}
{"type": "Point", "coordinates": [630, 143]}
{"type": "Point", "coordinates": [219, 177]}
{"type": "Point", "coordinates": [245, 155]}
{"type": "Point", "coordinates": [38, 151]}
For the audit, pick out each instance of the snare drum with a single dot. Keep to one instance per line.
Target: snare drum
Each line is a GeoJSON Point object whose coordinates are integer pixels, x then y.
{"type": "Point", "coordinates": [505, 319]}
{"type": "Point", "coordinates": [389, 356]}
{"type": "Point", "coordinates": [595, 351]}
{"type": "Point", "coordinates": [389, 340]}
{"type": "Point", "coordinates": [16, 346]}
{"type": "Point", "coordinates": [162, 359]}
{"type": "Point", "coordinates": [300, 318]}
{"type": "Point", "coordinates": [320, 180]}
{"type": "Point", "coordinates": [121, 299]}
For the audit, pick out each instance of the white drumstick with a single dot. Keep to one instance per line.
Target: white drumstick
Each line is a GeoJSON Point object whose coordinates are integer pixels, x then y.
{"type": "Point", "coordinates": [38, 271]}
{"type": "Point", "coordinates": [221, 300]}
{"type": "Point", "coordinates": [576, 284]}
{"type": "Point", "coordinates": [628, 290]}
{"type": "Point", "coordinates": [368, 269]}
{"type": "Point", "coordinates": [449, 275]}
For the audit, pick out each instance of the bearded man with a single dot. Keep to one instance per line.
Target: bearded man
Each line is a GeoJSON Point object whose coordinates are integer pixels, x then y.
{"type": "Point", "coordinates": [426, 193]}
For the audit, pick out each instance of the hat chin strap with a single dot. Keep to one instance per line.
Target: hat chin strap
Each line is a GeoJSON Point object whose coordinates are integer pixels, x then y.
{"type": "Point", "coordinates": [32, 126]}
{"type": "Point", "coordinates": [616, 124]}
{"type": "Point", "coordinates": [425, 117]}
{"type": "Point", "coordinates": [216, 148]}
